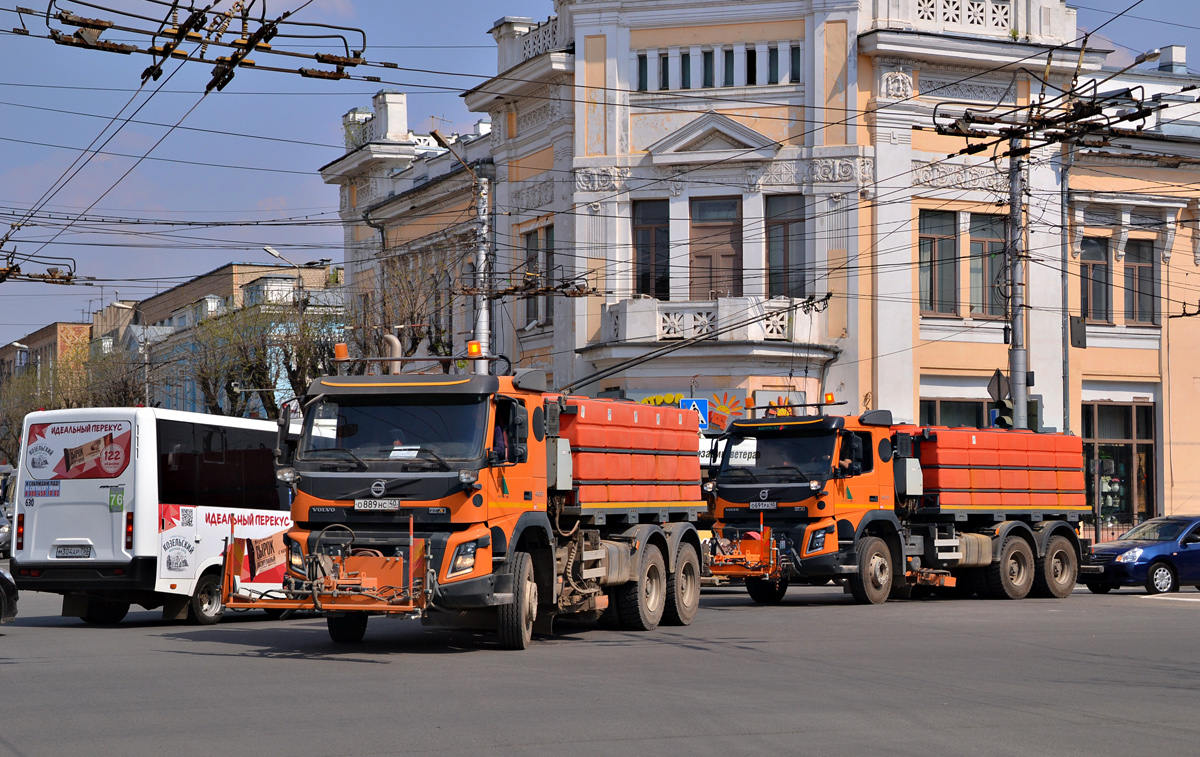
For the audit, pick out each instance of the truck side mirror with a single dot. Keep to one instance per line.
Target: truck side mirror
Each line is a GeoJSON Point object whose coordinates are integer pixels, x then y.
{"type": "Point", "coordinates": [521, 433]}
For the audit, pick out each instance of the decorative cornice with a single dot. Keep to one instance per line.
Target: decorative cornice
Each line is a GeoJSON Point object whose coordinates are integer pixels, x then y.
{"type": "Point", "coordinates": [603, 179]}
{"type": "Point", "coordinates": [534, 196]}
{"type": "Point", "coordinates": [947, 176]}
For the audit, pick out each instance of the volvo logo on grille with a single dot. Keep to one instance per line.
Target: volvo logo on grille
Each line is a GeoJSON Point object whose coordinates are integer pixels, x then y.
{"type": "Point", "coordinates": [763, 494]}
{"type": "Point", "coordinates": [379, 488]}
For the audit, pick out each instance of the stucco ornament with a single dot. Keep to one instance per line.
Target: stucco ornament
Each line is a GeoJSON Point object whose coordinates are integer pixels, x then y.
{"type": "Point", "coordinates": [897, 85]}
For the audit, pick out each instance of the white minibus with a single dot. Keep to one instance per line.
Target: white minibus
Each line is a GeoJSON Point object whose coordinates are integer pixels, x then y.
{"type": "Point", "coordinates": [121, 506]}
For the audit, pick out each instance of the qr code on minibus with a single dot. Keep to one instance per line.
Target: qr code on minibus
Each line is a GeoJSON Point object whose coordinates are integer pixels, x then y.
{"type": "Point", "coordinates": [185, 517]}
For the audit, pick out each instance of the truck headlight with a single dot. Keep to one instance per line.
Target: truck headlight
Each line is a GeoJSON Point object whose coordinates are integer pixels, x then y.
{"type": "Point", "coordinates": [816, 542]}
{"type": "Point", "coordinates": [295, 557]}
{"type": "Point", "coordinates": [464, 559]}
{"type": "Point", "coordinates": [287, 475]}
{"type": "Point", "coordinates": [1130, 556]}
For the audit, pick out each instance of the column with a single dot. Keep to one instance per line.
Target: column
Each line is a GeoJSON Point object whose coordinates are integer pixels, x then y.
{"type": "Point", "coordinates": [652, 70]}
{"type": "Point", "coordinates": [785, 62]}
{"type": "Point", "coordinates": [674, 70]}
{"type": "Point", "coordinates": [680, 236]}
{"type": "Point", "coordinates": [718, 67]}
{"type": "Point", "coordinates": [762, 62]}
{"type": "Point", "coordinates": [754, 245]}
{"type": "Point", "coordinates": [697, 61]}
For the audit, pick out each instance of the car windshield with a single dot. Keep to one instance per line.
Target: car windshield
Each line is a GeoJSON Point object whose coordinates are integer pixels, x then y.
{"type": "Point", "coordinates": [778, 457]}
{"type": "Point", "coordinates": [405, 429]}
{"type": "Point", "coordinates": [1156, 530]}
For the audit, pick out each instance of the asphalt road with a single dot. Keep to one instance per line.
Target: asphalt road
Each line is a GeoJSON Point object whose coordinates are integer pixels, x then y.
{"type": "Point", "coordinates": [817, 675]}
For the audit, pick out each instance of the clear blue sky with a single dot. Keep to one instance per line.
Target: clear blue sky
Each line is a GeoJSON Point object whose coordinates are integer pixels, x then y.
{"type": "Point", "coordinates": [37, 145]}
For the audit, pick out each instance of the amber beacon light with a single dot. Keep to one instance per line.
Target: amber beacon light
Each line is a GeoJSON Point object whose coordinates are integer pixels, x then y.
{"type": "Point", "coordinates": [474, 349]}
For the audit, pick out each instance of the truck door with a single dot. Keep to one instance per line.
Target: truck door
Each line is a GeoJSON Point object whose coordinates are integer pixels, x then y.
{"type": "Point", "coordinates": [856, 460]}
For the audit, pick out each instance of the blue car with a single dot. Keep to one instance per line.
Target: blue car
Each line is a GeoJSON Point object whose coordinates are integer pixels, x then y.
{"type": "Point", "coordinates": [1161, 554]}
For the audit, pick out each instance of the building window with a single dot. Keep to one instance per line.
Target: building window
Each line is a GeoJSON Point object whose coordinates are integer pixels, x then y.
{"type": "Point", "coordinates": [651, 241]}
{"type": "Point", "coordinates": [938, 264]}
{"type": "Point", "coordinates": [715, 248]}
{"type": "Point", "coordinates": [1118, 445]}
{"type": "Point", "coordinates": [772, 65]}
{"type": "Point", "coordinates": [1141, 306]}
{"type": "Point", "coordinates": [728, 77]}
{"type": "Point", "coordinates": [785, 246]}
{"type": "Point", "coordinates": [1095, 280]}
{"type": "Point", "coordinates": [989, 274]}
{"type": "Point", "coordinates": [685, 70]}
{"type": "Point", "coordinates": [795, 77]}
{"type": "Point", "coordinates": [532, 274]}
{"type": "Point", "coordinates": [751, 66]}
{"type": "Point", "coordinates": [664, 72]}
{"type": "Point", "coordinates": [643, 79]}
{"type": "Point", "coordinates": [955, 413]}
{"type": "Point", "coordinates": [708, 68]}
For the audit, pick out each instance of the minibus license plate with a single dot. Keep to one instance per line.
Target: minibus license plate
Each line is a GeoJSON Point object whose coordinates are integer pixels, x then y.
{"type": "Point", "coordinates": [762, 505]}
{"type": "Point", "coordinates": [64, 552]}
{"type": "Point", "coordinates": [382, 505]}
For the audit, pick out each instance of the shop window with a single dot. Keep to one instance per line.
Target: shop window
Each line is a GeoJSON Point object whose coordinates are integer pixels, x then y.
{"type": "Point", "coordinates": [785, 245]}
{"type": "Point", "coordinates": [937, 268]}
{"type": "Point", "coordinates": [989, 272]}
{"type": "Point", "coordinates": [1120, 473]}
{"type": "Point", "coordinates": [1095, 281]}
{"type": "Point", "coordinates": [651, 242]}
{"type": "Point", "coordinates": [1141, 305]}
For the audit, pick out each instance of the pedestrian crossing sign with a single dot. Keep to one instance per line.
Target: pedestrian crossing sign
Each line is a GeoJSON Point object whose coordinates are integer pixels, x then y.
{"type": "Point", "coordinates": [700, 406]}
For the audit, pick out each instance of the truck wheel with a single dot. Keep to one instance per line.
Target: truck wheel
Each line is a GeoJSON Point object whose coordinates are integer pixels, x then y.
{"type": "Point", "coordinates": [516, 619]}
{"type": "Point", "coordinates": [348, 628]}
{"type": "Point", "coordinates": [764, 591]}
{"type": "Point", "coordinates": [873, 581]}
{"type": "Point", "coordinates": [205, 607]}
{"type": "Point", "coordinates": [1012, 576]}
{"type": "Point", "coordinates": [1056, 572]}
{"type": "Point", "coordinates": [1098, 588]}
{"type": "Point", "coordinates": [1161, 579]}
{"type": "Point", "coordinates": [641, 602]}
{"type": "Point", "coordinates": [683, 588]}
{"type": "Point", "coordinates": [102, 613]}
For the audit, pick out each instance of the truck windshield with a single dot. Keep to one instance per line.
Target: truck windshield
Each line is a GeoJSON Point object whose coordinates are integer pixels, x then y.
{"type": "Point", "coordinates": [778, 457]}
{"type": "Point", "coordinates": [434, 430]}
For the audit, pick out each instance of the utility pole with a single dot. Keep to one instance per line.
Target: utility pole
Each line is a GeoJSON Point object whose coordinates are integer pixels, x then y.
{"type": "Point", "coordinates": [483, 278]}
{"type": "Point", "coordinates": [1018, 358]}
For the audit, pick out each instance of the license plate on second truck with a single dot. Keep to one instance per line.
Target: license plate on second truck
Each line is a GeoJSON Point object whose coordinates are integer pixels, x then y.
{"type": "Point", "coordinates": [384, 505]}
{"type": "Point", "coordinates": [762, 505]}
{"type": "Point", "coordinates": [69, 552]}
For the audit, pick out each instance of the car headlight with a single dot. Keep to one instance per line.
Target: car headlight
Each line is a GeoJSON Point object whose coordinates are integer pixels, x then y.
{"type": "Point", "coordinates": [1130, 556]}
{"type": "Point", "coordinates": [5, 528]}
{"type": "Point", "coordinates": [295, 557]}
{"type": "Point", "coordinates": [464, 559]}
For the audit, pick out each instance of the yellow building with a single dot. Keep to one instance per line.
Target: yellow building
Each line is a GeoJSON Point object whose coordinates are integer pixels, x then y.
{"type": "Point", "coordinates": [705, 170]}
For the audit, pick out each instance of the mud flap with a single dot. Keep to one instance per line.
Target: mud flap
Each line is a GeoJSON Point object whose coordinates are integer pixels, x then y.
{"type": "Point", "coordinates": [175, 607]}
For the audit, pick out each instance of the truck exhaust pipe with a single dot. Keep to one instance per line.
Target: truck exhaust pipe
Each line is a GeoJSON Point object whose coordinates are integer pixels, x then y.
{"type": "Point", "coordinates": [394, 351]}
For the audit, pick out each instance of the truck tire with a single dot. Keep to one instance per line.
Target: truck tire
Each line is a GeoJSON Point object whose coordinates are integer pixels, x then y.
{"type": "Point", "coordinates": [764, 591]}
{"type": "Point", "coordinates": [873, 581]}
{"type": "Point", "coordinates": [1056, 572]}
{"type": "Point", "coordinates": [347, 628]}
{"type": "Point", "coordinates": [102, 613]}
{"type": "Point", "coordinates": [641, 602]}
{"type": "Point", "coordinates": [683, 588]}
{"type": "Point", "coordinates": [205, 608]}
{"type": "Point", "coordinates": [1011, 577]}
{"type": "Point", "coordinates": [516, 620]}
{"type": "Point", "coordinates": [1099, 588]}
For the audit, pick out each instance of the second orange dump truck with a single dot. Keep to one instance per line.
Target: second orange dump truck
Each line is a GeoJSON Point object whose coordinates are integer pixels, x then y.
{"type": "Point", "coordinates": [889, 509]}
{"type": "Point", "coordinates": [486, 502]}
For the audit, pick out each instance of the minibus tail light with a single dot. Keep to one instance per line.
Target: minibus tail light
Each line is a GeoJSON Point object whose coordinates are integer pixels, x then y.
{"type": "Point", "coordinates": [20, 538]}
{"type": "Point", "coordinates": [128, 530]}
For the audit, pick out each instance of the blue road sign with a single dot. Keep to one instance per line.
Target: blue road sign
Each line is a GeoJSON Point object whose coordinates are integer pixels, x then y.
{"type": "Point", "coordinates": [700, 406]}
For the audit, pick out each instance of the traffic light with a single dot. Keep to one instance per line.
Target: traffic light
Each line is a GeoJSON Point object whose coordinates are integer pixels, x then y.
{"type": "Point", "coordinates": [1004, 414]}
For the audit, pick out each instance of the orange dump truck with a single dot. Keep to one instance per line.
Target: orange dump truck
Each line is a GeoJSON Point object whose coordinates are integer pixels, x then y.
{"type": "Point", "coordinates": [485, 502]}
{"type": "Point", "coordinates": [889, 508]}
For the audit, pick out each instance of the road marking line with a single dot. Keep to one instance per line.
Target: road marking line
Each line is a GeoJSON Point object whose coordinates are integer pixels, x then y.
{"type": "Point", "coordinates": [1174, 599]}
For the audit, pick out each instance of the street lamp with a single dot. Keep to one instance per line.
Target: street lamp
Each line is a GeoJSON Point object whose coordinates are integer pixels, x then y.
{"type": "Point", "coordinates": [276, 254]}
